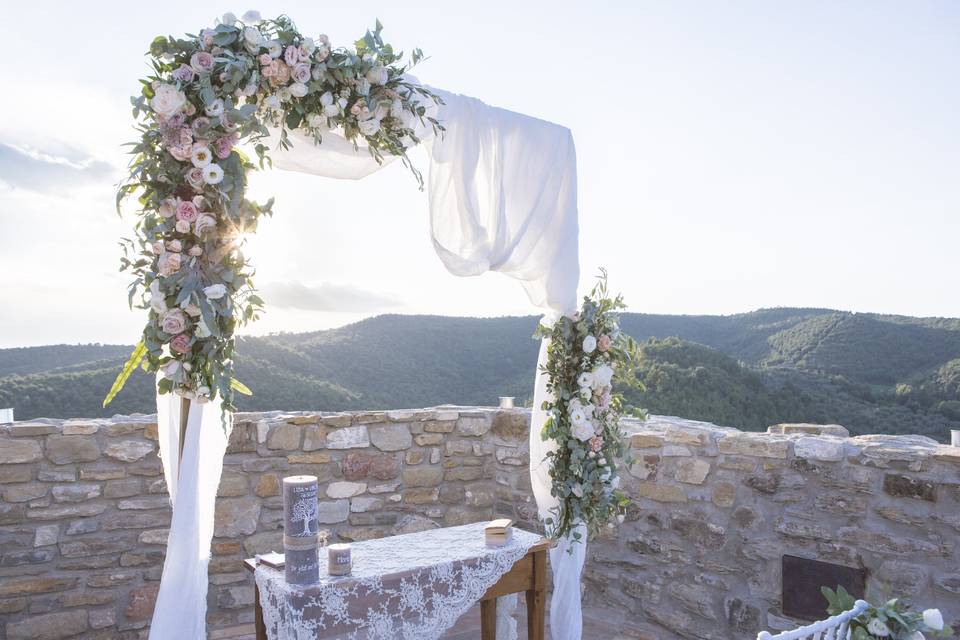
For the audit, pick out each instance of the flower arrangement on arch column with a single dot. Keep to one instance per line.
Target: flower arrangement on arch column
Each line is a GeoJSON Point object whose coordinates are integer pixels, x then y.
{"type": "Point", "coordinates": [893, 620]}
{"type": "Point", "coordinates": [587, 352]}
{"type": "Point", "coordinates": [207, 94]}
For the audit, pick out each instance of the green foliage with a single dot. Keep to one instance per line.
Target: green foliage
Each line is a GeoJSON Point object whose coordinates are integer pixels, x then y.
{"type": "Point", "coordinates": [892, 620]}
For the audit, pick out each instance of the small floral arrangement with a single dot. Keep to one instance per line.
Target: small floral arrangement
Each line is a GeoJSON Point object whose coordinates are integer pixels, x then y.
{"type": "Point", "coordinates": [207, 94]}
{"type": "Point", "coordinates": [585, 353]}
{"type": "Point", "coordinates": [892, 620]}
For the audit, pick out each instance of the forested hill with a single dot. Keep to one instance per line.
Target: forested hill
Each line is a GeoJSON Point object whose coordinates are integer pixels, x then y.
{"type": "Point", "coordinates": [869, 372]}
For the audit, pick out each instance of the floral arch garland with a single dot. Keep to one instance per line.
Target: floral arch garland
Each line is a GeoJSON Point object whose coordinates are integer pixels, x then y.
{"type": "Point", "coordinates": [207, 94]}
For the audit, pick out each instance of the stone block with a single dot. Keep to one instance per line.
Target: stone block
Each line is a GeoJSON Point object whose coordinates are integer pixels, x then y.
{"type": "Point", "coordinates": [141, 602]}
{"type": "Point", "coordinates": [314, 437]}
{"type": "Point", "coordinates": [124, 488]}
{"type": "Point", "coordinates": [27, 556]}
{"type": "Point", "coordinates": [826, 449]}
{"type": "Point", "coordinates": [646, 440]}
{"type": "Point", "coordinates": [49, 626]}
{"type": "Point", "coordinates": [46, 535]}
{"type": "Point", "coordinates": [349, 438]}
{"type": "Point", "coordinates": [68, 449]}
{"type": "Point", "coordinates": [391, 437]}
{"type": "Point", "coordinates": [137, 520]}
{"type": "Point", "coordinates": [317, 457]}
{"type": "Point", "coordinates": [66, 511]}
{"type": "Point", "coordinates": [463, 474]}
{"type": "Point", "coordinates": [363, 504]}
{"type": "Point", "coordinates": [757, 445]}
{"type": "Point", "coordinates": [24, 492]}
{"type": "Point", "coordinates": [268, 485]}
{"type": "Point", "coordinates": [111, 579]}
{"type": "Point", "coordinates": [902, 578]}
{"type": "Point", "coordinates": [421, 496]}
{"type": "Point", "coordinates": [699, 531]}
{"type": "Point", "coordinates": [236, 516]}
{"type": "Point", "coordinates": [285, 437]}
{"type": "Point", "coordinates": [422, 476]}
{"type": "Point", "coordinates": [333, 511]}
{"type": "Point", "coordinates": [154, 536]}
{"type": "Point", "coordinates": [102, 618]}
{"type": "Point", "coordinates": [75, 492]}
{"type": "Point", "coordinates": [429, 439]}
{"type": "Point", "coordinates": [263, 542]}
{"type": "Point", "coordinates": [10, 473]}
{"type": "Point", "coordinates": [413, 523]}
{"type": "Point", "coordinates": [83, 548]}
{"type": "Point", "coordinates": [19, 451]}
{"type": "Point", "coordinates": [724, 494]}
{"type": "Point", "coordinates": [144, 503]}
{"type": "Point", "coordinates": [102, 474]}
{"type": "Point", "coordinates": [692, 471]}
{"type": "Point", "coordinates": [787, 428]}
{"type": "Point", "coordinates": [473, 426]}
{"type": "Point", "coordinates": [900, 486]}
{"type": "Point", "coordinates": [661, 492]}
{"type": "Point", "coordinates": [129, 450]}
{"type": "Point", "coordinates": [235, 597]}
{"type": "Point", "coordinates": [345, 489]}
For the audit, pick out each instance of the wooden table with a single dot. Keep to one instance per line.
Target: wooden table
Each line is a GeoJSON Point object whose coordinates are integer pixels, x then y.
{"type": "Point", "coordinates": [529, 574]}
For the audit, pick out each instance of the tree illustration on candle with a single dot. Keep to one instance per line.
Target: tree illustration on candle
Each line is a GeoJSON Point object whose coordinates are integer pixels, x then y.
{"type": "Point", "coordinates": [305, 511]}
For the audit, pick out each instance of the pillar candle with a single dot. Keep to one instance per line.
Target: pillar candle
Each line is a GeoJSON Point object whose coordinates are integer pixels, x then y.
{"type": "Point", "coordinates": [339, 562]}
{"type": "Point", "coordinates": [300, 529]}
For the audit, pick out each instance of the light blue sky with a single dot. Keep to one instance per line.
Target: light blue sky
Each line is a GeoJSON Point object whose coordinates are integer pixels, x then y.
{"type": "Point", "coordinates": [732, 155]}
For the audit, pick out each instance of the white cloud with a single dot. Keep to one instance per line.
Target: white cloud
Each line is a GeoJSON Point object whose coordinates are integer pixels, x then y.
{"type": "Point", "coordinates": [325, 297]}
{"type": "Point", "coordinates": [35, 169]}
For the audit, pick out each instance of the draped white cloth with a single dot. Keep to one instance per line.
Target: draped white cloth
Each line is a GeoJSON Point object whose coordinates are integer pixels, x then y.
{"type": "Point", "coordinates": [181, 609]}
{"type": "Point", "coordinates": [503, 197]}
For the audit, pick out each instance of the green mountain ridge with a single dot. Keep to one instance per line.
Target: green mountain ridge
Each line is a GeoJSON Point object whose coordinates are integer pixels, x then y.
{"type": "Point", "coordinates": [872, 373]}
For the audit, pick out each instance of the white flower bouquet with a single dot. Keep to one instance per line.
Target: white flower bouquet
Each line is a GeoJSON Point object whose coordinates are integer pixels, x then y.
{"type": "Point", "coordinates": [893, 620]}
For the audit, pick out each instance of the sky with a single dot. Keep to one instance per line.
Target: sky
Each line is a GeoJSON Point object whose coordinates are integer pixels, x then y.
{"type": "Point", "coordinates": [731, 156]}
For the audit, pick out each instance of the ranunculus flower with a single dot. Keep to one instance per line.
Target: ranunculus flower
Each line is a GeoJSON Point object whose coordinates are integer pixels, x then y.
{"type": "Point", "coordinates": [168, 263]}
{"type": "Point", "coordinates": [212, 174]}
{"type": "Point", "coordinates": [183, 73]}
{"type": "Point", "coordinates": [603, 343]}
{"type": "Point", "coordinates": [167, 100]}
{"type": "Point", "coordinates": [180, 343]}
{"type": "Point", "coordinates": [201, 156]}
{"type": "Point", "coordinates": [298, 90]}
{"type": "Point", "coordinates": [292, 55]}
{"type": "Point", "coordinates": [589, 344]}
{"type": "Point", "coordinates": [173, 322]}
{"type": "Point", "coordinates": [301, 73]}
{"type": "Point", "coordinates": [933, 619]}
{"type": "Point", "coordinates": [204, 223]}
{"type": "Point", "coordinates": [215, 291]}
{"type": "Point", "coordinates": [214, 109]}
{"type": "Point", "coordinates": [201, 62]}
{"type": "Point", "coordinates": [187, 211]}
{"type": "Point", "coordinates": [168, 208]}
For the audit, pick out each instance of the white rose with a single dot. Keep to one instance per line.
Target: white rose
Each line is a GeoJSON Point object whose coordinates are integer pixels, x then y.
{"type": "Point", "coordinates": [586, 393]}
{"type": "Point", "coordinates": [212, 174]}
{"type": "Point", "coordinates": [273, 101]}
{"type": "Point", "coordinates": [167, 100]}
{"type": "Point", "coordinates": [157, 301]}
{"type": "Point", "coordinates": [377, 75]}
{"type": "Point", "coordinates": [284, 94]}
{"type": "Point", "coordinates": [602, 376]}
{"type": "Point", "coordinates": [933, 619]}
{"type": "Point", "coordinates": [369, 127]}
{"type": "Point", "coordinates": [275, 49]}
{"type": "Point", "coordinates": [878, 628]}
{"type": "Point", "coordinates": [252, 17]}
{"type": "Point", "coordinates": [215, 108]}
{"type": "Point", "coordinates": [215, 291]}
{"type": "Point", "coordinates": [298, 90]}
{"type": "Point", "coordinates": [581, 429]}
{"type": "Point", "coordinates": [585, 379]}
{"type": "Point", "coordinates": [589, 344]}
{"type": "Point", "coordinates": [229, 18]}
{"type": "Point", "coordinates": [252, 36]}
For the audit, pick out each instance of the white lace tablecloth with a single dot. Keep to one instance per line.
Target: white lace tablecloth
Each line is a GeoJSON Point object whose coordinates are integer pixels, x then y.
{"type": "Point", "coordinates": [408, 587]}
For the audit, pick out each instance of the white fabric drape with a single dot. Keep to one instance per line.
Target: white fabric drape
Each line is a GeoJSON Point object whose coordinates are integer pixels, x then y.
{"type": "Point", "coordinates": [181, 609]}
{"type": "Point", "coordinates": [503, 197]}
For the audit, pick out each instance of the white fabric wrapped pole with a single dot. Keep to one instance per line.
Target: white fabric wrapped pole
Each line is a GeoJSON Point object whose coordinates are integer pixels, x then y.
{"type": "Point", "coordinates": [181, 609]}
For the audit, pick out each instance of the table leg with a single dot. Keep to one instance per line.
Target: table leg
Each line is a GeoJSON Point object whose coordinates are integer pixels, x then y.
{"type": "Point", "coordinates": [488, 619]}
{"type": "Point", "coordinates": [258, 615]}
{"type": "Point", "coordinates": [536, 597]}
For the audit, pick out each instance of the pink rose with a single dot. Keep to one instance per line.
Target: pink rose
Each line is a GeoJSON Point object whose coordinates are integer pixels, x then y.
{"type": "Point", "coordinates": [158, 247]}
{"type": "Point", "coordinates": [183, 73]}
{"type": "Point", "coordinates": [195, 178]}
{"type": "Point", "coordinates": [201, 62]}
{"type": "Point", "coordinates": [292, 55]}
{"type": "Point", "coordinates": [223, 146]}
{"type": "Point", "coordinates": [196, 251]}
{"type": "Point", "coordinates": [301, 73]}
{"type": "Point", "coordinates": [189, 109]}
{"type": "Point", "coordinates": [265, 59]}
{"type": "Point", "coordinates": [283, 73]}
{"type": "Point", "coordinates": [270, 70]}
{"type": "Point", "coordinates": [168, 208]}
{"type": "Point", "coordinates": [187, 211]}
{"type": "Point", "coordinates": [175, 246]}
{"type": "Point", "coordinates": [304, 53]}
{"type": "Point", "coordinates": [596, 443]}
{"type": "Point", "coordinates": [173, 322]}
{"type": "Point", "coordinates": [180, 343]}
{"type": "Point", "coordinates": [604, 342]}
{"type": "Point", "coordinates": [200, 123]}
{"type": "Point", "coordinates": [168, 264]}
{"type": "Point", "coordinates": [182, 226]}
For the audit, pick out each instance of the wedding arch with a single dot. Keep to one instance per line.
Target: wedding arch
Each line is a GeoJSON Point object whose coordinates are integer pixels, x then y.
{"type": "Point", "coordinates": [502, 197]}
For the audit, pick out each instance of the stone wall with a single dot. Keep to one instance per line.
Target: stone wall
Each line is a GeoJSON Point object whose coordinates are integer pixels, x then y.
{"type": "Point", "coordinates": [84, 513]}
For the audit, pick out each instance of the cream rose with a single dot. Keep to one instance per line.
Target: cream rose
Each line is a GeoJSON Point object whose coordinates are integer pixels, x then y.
{"type": "Point", "coordinates": [167, 100]}
{"type": "Point", "coordinates": [173, 321]}
{"type": "Point", "coordinates": [215, 291]}
{"type": "Point", "coordinates": [203, 224]}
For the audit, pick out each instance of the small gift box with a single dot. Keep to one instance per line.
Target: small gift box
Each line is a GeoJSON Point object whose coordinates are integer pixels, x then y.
{"type": "Point", "coordinates": [498, 532]}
